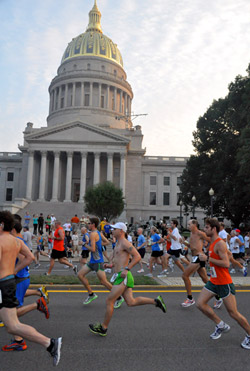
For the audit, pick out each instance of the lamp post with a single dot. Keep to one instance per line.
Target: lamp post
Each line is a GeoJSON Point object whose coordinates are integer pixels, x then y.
{"type": "Point", "coordinates": [211, 194]}
{"type": "Point", "coordinates": [193, 200]}
{"type": "Point", "coordinates": [181, 203]}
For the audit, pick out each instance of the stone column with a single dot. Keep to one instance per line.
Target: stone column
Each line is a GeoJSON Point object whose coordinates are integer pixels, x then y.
{"type": "Point", "coordinates": [126, 104]}
{"type": "Point", "coordinates": [68, 177]}
{"type": "Point", "coordinates": [100, 93]}
{"type": "Point", "coordinates": [30, 175]}
{"type": "Point", "coordinates": [110, 167]}
{"type": "Point", "coordinates": [50, 102]}
{"type": "Point", "coordinates": [91, 94]}
{"type": "Point", "coordinates": [55, 177]}
{"type": "Point", "coordinates": [97, 168]}
{"type": "Point", "coordinates": [123, 172]}
{"type": "Point", "coordinates": [59, 97]}
{"type": "Point", "coordinates": [66, 96]}
{"type": "Point", "coordinates": [83, 176]}
{"type": "Point", "coordinates": [121, 94]}
{"type": "Point", "coordinates": [42, 176]}
{"type": "Point", "coordinates": [74, 94]}
{"type": "Point", "coordinates": [115, 98]}
{"type": "Point", "coordinates": [82, 94]}
{"type": "Point", "coordinates": [107, 97]}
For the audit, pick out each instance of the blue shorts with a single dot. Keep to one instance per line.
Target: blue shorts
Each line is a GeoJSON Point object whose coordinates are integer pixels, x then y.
{"type": "Point", "coordinates": [21, 289]}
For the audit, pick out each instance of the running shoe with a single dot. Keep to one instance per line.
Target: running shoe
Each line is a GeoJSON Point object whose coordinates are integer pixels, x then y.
{"type": "Point", "coordinates": [160, 304]}
{"type": "Point", "coordinates": [42, 307]}
{"type": "Point", "coordinates": [118, 303]}
{"type": "Point", "coordinates": [56, 350]}
{"type": "Point", "coordinates": [75, 269]}
{"type": "Point", "coordinates": [37, 266]}
{"type": "Point", "coordinates": [246, 342]}
{"type": "Point", "coordinates": [244, 271]}
{"type": "Point", "coordinates": [188, 303]}
{"type": "Point", "coordinates": [14, 345]}
{"type": "Point", "coordinates": [218, 331]}
{"type": "Point", "coordinates": [163, 273]}
{"type": "Point", "coordinates": [46, 274]}
{"type": "Point", "coordinates": [107, 270]}
{"type": "Point", "coordinates": [148, 275]}
{"type": "Point", "coordinates": [98, 329]}
{"type": "Point", "coordinates": [1, 324]}
{"type": "Point", "coordinates": [140, 271]}
{"type": "Point", "coordinates": [232, 271]}
{"type": "Point", "coordinates": [44, 293]}
{"type": "Point", "coordinates": [90, 298]}
{"type": "Point", "coordinates": [218, 303]}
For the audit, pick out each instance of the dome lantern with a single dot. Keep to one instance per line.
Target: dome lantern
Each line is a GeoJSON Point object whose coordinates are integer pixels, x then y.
{"type": "Point", "coordinates": [94, 19]}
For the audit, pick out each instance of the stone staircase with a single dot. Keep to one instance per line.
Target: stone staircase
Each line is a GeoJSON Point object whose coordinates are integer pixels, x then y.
{"type": "Point", "coordinates": [61, 210]}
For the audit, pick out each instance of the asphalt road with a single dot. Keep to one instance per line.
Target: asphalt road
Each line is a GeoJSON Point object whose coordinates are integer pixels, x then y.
{"type": "Point", "coordinates": [139, 339]}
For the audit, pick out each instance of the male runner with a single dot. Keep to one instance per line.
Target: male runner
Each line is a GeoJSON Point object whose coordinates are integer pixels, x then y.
{"type": "Point", "coordinates": [123, 280]}
{"type": "Point", "coordinates": [10, 247]}
{"type": "Point", "coordinates": [197, 238]}
{"type": "Point", "coordinates": [220, 284]}
{"type": "Point", "coordinates": [58, 251]}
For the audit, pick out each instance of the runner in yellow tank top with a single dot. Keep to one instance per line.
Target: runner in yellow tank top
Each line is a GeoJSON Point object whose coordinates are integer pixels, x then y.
{"type": "Point", "coordinates": [220, 284]}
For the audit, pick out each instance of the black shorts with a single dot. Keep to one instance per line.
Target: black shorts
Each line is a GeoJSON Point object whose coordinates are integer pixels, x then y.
{"type": "Point", "coordinates": [156, 254]}
{"type": "Point", "coordinates": [8, 293]}
{"type": "Point", "coordinates": [95, 267]}
{"type": "Point", "coordinates": [85, 254]}
{"type": "Point", "coordinates": [40, 248]}
{"type": "Point", "coordinates": [242, 254]}
{"type": "Point", "coordinates": [58, 254]}
{"type": "Point", "coordinates": [175, 253]}
{"type": "Point", "coordinates": [142, 252]}
{"type": "Point", "coordinates": [196, 260]}
{"type": "Point", "coordinates": [104, 248]}
{"type": "Point", "coordinates": [236, 256]}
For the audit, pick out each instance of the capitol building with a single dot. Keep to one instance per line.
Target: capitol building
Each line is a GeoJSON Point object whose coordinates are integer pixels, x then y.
{"type": "Point", "coordinates": [89, 138]}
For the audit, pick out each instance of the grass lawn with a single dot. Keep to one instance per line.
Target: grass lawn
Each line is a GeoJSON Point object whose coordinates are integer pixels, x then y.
{"type": "Point", "coordinates": [73, 280]}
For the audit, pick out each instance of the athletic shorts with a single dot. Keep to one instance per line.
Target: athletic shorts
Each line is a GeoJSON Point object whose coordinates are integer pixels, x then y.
{"type": "Point", "coordinates": [40, 248]}
{"type": "Point", "coordinates": [236, 256]}
{"type": "Point", "coordinates": [85, 254]}
{"type": "Point", "coordinates": [21, 289]}
{"type": "Point", "coordinates": [104, 248]}
{"type": "Point", "coordinates": [58, 254]}
{"type": "Point", "coordinates": [142, 252]}
{"type": "Point", "coordinates": [242, 255]}
{"type": "Point", "coordinates": [95, 267]}
{"type": "Point", "coordinates": [174, 253]}
{"type": "Point", "coordinates": [223, 291]}
{"type": "Point", "coordinates": [156, 254]}
{"type": "Point", "coordinates": [196, 260]}
{"type": "Point", "coordinates": [128, 281]}
{"type": "Point", "coordinates": [8, 292]}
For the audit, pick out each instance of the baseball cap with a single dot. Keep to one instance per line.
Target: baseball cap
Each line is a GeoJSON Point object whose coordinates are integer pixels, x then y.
{"type": "Point", "coordinates": [119, 225]}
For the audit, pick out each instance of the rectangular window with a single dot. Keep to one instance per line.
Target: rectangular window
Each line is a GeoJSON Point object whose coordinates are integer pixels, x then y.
{"type": "Point", "coordinates": [153, 180]}
{"type": "Point", "coordinates": [152, 217]}
{"type": "Point", "coordinates": [166, 180]}
{"type": "Point", "coordinates": [9, 192]}
{"type": "Point", "coordinates": [10, 177]}
{"type": "Point", "coordinates": [179, 181]}
{"type": "Point", "coordinates": [86, 100]}
{"type": "Point", "coordinates": [165, 198]}
{"type": "Point", "coordinates": [152, 198]}
{"type": "Point", "coordinates": [166, 219]}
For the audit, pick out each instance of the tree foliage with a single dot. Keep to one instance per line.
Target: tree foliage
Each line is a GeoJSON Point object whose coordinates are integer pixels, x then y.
{"type": "Point", "coordinates": [104, 200]}
{"type": "Point", "coordinates": [222, 159]}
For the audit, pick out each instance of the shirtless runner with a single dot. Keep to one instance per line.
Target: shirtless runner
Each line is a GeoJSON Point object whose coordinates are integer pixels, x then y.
{"type": "Point", "coordinates": [123, 281]}
{"type": "Point", "coordinates": [195, 244]}
{"type": "Point", "coordinates": [10, 247]}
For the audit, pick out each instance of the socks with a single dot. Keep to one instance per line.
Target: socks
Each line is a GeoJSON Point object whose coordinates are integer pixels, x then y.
{"type": "Point", "coordinates": [221, 324]}
{"type": "Point", "coordinates": [190, 297]}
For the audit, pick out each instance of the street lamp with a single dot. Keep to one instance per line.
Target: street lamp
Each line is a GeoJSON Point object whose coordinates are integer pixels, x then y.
{"type": "Point", "coordinates": [211, 194]}
{"type": "Point", "coordinates": [181, 203]}
{"type": "Point", "coordinates": [193, 200]}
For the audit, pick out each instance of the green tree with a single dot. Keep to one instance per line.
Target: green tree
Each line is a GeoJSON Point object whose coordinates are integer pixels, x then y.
{"type": "Point", "coordinates": [104, 200]}
{"type": "Point", "coordinates": [222, 159]}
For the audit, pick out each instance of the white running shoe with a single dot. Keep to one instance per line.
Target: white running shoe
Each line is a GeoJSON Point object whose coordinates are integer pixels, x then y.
{"type": "Point", "coordinates": [218, 303]}
{"type": "Point", "coordinates": [188, 303]}
{"type": "Point", "coordinates": [246, 342]}
{"type": "Point", "coordinates": [218, 331]}
{"type": "Point", "coordinates": [140, 271]}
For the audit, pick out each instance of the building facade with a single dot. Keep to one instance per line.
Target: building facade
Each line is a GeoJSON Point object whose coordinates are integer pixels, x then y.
{"type": "Point", "coordinates": [90, 138]}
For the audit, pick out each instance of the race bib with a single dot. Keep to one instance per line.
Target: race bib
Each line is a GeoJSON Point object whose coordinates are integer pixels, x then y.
{"type": "Point", "coordinates": [1, 297]}
{"type": "Point", "coordinates": [194, 259]}
{"type": "Point", "coordinates": [113, 278]}
{"type": "Point", "coordinates": [213, 272]}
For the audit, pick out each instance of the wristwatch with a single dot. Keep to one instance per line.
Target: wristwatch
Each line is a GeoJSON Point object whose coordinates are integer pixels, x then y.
{"type": "Point", "coordinates": [127, 268]}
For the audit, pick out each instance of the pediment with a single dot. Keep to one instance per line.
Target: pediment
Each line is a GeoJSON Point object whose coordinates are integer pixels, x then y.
{"type": "Point", "coordinates": [75, 132]}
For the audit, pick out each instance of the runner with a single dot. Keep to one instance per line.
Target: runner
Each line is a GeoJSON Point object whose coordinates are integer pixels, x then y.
{"type": "Point", "coordinates": [220, 284]}
{"type": "Point", "coordinates": [10, 247]}
{"type": "Point", "coordinates": [58, 251]}
{"type": "Point", "coordinates": [123, 281]}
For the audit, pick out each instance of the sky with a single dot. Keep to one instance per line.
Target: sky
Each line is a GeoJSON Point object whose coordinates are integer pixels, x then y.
{"type": "Point", "coordinates": [179, 55]}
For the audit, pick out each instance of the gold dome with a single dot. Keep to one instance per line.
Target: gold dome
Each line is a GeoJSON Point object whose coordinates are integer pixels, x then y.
{"type": "Point", "coordinates": [93, 42]}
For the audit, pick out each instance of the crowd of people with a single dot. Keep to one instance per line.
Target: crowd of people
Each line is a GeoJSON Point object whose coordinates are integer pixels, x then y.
{"type": "Point", "coordinates": [209, 252]}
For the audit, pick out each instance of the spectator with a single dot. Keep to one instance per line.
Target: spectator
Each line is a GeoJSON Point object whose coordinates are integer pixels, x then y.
{"type": "Point", "coordinates": [40, 224]}
{"type": "Point", "coordinates": [35, 223]}
{"type": "Point", "coordinates": [75, 223]}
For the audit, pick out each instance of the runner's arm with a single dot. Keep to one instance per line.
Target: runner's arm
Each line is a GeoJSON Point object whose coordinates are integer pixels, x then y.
{"type": "Point", "coordinates": [221, 250]}
{"type": "Point", "coordinates": [28, 257]}
{"type": "Point", "coordinates": [105, 242]}
{"type": "Point", "coordinates": [136, 257]}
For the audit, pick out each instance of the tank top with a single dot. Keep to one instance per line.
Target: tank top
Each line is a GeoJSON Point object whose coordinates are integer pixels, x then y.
{"type": "Point", "coordinates": [219, 275]}
{"type": "Point", "coordinates": [58, 244]}
{"type": "Point", "coordinates": [84, 240]}
{"type": "Point", "coordinates": [96, 256]}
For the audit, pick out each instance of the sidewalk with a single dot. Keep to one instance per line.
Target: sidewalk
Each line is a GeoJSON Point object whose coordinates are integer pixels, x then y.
{"type": "Point", "coordinates": [197, 281]}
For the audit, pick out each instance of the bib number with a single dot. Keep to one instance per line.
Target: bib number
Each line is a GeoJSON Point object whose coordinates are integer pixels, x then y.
{"type": "Point", "coordinates": [213, 272]}
{"type": "Point", "coordinates": [113, 278]}
{"type": "Point", "coordinates": [194, 259]}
